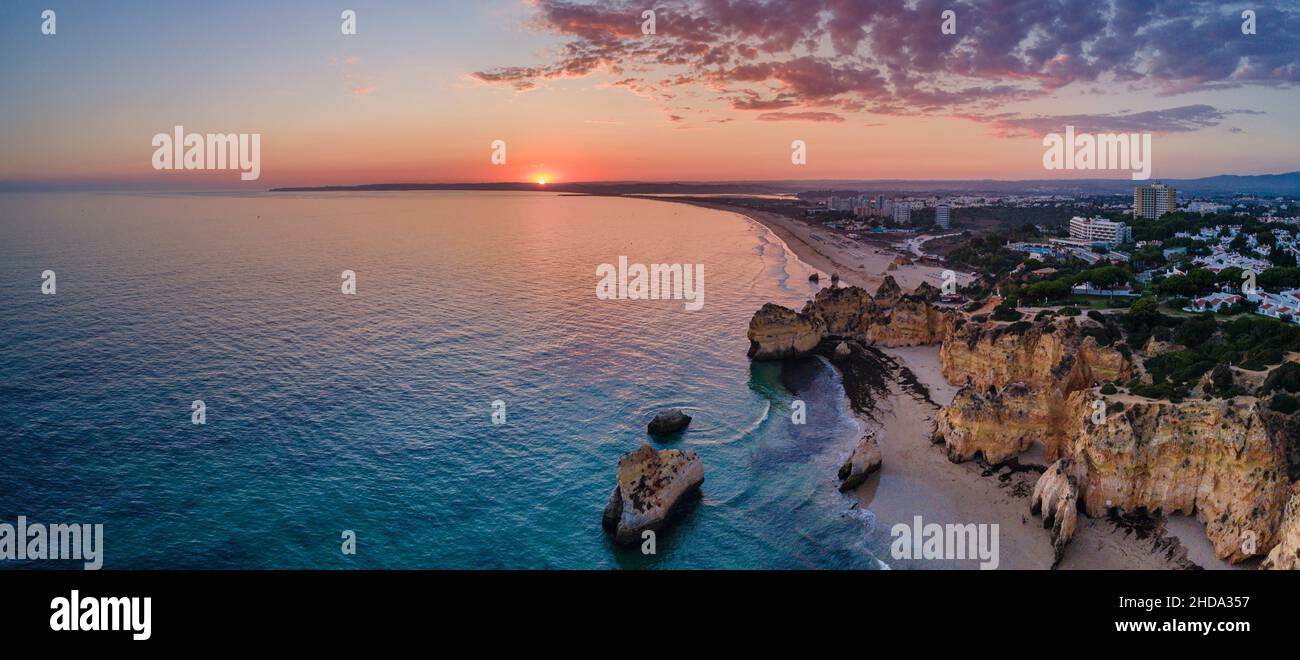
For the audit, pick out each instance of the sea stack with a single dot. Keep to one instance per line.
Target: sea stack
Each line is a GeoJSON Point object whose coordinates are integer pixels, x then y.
{"type": "Point", "coordinates": [668, 421]}
{"type": "Point", "coordinates": [651, 485]}
{"type": "Point", "coordinates": [777, 333]}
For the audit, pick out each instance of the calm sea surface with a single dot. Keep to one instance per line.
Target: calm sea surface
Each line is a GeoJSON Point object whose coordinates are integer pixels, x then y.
{"type": "Point", "coordinates": [372, 412]}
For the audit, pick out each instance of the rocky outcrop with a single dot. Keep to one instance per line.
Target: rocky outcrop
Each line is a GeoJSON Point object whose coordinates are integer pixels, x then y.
{"type": "Point", "coordinates": [1223, 460]}
{"type": "Point", "coordinates": [1286, 554]}
{"type": "Point", "coordinates": [1000, 423]}
{"type": "Point", "coordinates": [1053, 352]}
{"type": "Point", "coordinates": [888, 292]}
{"type": "Point", "coordinates": [864, 460]}
{"type": "Point", "coordinates": [842, 352]}
{"type": "Point", "coordinates": [777, 332]}
{"type": "Point", "coordinates": [886, 319]}
{"type": "Point", "coordinates": [1215, 459]}
{"type": "Point", "coordinates": [668, 421]}
{"type": "Point", "coordinates": [1056, 498]}
{"type": "Point", "coordinates": [845, 312]}
{"type": "Point", "coordinates": [651, 485]}
{"type": "Point", "coordinates": [912, 321]}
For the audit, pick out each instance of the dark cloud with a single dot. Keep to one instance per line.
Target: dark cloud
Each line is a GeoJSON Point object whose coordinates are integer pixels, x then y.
{"type": "Point", "coordinates": [890, 57]}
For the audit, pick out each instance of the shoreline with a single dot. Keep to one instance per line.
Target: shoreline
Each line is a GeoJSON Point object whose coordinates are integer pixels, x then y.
{"type": "Point", "coordinates": [916, 477]}
{"type": "Point", "coordinates": [864, 265]}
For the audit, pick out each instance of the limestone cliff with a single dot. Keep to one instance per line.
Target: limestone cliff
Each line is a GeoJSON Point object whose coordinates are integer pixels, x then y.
{"type": "Point", "coordinates": [1286, 554]}
{"type": "Point", "coordinates": [777, 332]}
{"type": "Point", "coordinates": [1017, 379]}
{"type": "Point", "coordinates": [887, 319]}
{"type": "Point", "coordinates": [844, 311]}
{"type": "Point", "coordinates": [1055, 352]}
{"type": "Point", "coordinates": [1056, 497]}
{"type": "Point", "coordinates": [1224, 460]}
{"type": "Point", "coordinates": [912, 321]}
{"type": "Point", "coordinates": [1000, 423]}
{"type": "Point", "coordinates": [1214, 458]}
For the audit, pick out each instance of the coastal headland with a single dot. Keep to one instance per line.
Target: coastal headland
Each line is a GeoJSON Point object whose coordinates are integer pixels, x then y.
{"type": "Point", "coordinates": [984, 470]}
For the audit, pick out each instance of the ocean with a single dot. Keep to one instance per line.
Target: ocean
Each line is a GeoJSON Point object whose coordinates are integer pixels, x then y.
{"type": "Point", "coordinates": [373, 412]}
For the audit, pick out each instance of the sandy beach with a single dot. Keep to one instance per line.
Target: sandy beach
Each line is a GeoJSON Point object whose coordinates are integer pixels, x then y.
{"type": "Point", "coordinates": [858, 263]}
{"type": "Point", "coordinates": [916, 476]}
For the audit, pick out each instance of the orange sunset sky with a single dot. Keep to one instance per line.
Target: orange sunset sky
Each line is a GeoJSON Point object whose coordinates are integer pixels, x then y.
{"type": "Point", "coordinates": [579, 93]}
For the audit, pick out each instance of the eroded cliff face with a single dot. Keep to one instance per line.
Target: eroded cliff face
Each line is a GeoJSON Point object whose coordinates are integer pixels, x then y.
{"type": "Point", "coordinates": [1224, 460]}
{"type": "Point", "coordinates": [1286, 554]}
{"type": "Point", "coordinates": [845, 311]}
{"type": "Point", "coordinates": [777, 332]}
{"type": "Point", "coordinates": [1050, 352]}
{"type": "Point", "coordinates": [1000, 423]}
{"type": "Point", "coordinates": [887, 318]}
{"type": "Point", "coordinates": [1017, 379]}
{"type": "Point", "coordinates": [911, 321]}
{"type": "Point", "coordinates": [1214, 458]}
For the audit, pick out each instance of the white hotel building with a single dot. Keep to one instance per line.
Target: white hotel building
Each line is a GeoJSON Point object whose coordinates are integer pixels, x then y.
{"type": "Point", "coordinates": [1099, 230]}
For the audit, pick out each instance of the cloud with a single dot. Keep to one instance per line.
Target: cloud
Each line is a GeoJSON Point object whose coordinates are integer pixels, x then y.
{"type": "Point", "coordinates": [890, 57]}
{"type": "Point", "coordinates": [801, 116]}
{"type": "Point", "coordinates": [1181, 119]}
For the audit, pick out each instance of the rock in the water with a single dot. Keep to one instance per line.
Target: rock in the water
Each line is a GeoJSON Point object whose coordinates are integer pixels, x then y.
{"type": "Point", "coordinates": [650, 486]}
{"type": "Point", "coordinates": [814, 278]}
{"type": "Point", "coordinates": [864, 460]}
{"type": "Point", "coordinates": [842, 351]}
{"type": "Point", "coordinates": [668, 421]}
{"type": "Point", "coordinates": [1056, 497]}
{"type": "Point", "coordinates": [835, 279]}
{"type": "Point", "coordinates": [777, 332]}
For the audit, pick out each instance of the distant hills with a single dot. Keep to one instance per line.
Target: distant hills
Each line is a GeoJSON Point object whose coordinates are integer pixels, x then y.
{"type": "Point", "coordinates": [1257, 184]}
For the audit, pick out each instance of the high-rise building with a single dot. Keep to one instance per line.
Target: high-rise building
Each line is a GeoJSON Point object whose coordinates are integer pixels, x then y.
{"type": "Point", "coordinates": [1153, 201]}
{"type": "Point", "coordinates": [1099, 230]}
{"type": "Point", "coordinates": [941, 219]}
{"type": "Point", "coordinates": [902, 213]}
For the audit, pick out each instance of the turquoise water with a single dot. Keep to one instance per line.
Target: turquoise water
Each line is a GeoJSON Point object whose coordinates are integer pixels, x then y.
{"type": "Point", "coordinates": [372, 412]}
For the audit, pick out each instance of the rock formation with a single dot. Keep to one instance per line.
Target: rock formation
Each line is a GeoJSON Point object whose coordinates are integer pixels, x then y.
{"type": "Point", "coordinates": [842, 351]}
{"type": "Point", "coordinates": [668, 421]}
{"type": "Point", "coordinates": [887, 319]}
{"type": "Point", "coordinates": [999, 423]}
{"type": "Point", "coordinates": [651, 484]}
{"type": "Point", "coordinates": [888, 291]}
{"type": "Point", "coordinates": [1056, 497]}
{"type": "Point", "coordinates": [1214, 458]}
{"type": "Point", "coordinates": [1286, 554]}
{"type": "Point", "coordinates": [778, 332]}
{"type": "Point", "coordinates": [1036, 382]}
{"type": "Point", "coordinates": [846, 312]}
{"type": "Point", "coordinates": [911, 321]}
{"type": "Point", "coordinates": [864, 460]}
{"type": "Point", "coordinates": [1055, 352]}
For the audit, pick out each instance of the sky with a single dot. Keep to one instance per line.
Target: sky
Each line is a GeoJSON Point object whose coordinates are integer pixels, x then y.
{"type": "Point", "coordinates": [578, 92]}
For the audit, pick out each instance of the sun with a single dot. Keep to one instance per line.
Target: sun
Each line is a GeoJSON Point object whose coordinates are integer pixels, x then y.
{"type": "Point", "coordinates": [541, 180]}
